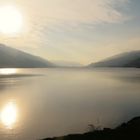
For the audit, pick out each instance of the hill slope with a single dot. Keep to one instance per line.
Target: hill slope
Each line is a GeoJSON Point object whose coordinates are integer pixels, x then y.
{"type": "Point", "coordinates": [13, 58]}
{"type": "Point", "coordinates": [129, 59]}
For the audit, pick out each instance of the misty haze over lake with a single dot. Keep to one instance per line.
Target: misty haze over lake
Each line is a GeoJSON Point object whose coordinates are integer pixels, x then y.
{"type": "Point", "coordinates": [54, 102]}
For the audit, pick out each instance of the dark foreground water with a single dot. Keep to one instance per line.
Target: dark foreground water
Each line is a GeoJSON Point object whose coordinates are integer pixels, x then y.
{"type": "Point", "coordinates": [38, 103]}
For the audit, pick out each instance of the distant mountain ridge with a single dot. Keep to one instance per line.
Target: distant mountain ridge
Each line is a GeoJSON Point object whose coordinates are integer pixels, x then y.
{"type": "Point", "coordinates": [14, 58]}
{"type": "Point", "coordinates": [128, 59]}
{"type": "Point", "coordinates": [62, 63]}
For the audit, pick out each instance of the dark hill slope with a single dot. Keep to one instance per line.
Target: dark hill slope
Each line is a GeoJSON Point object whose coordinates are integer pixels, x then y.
{"type": "Point", "coordinates": [13, 58]}
{"type": "Point", "coordinates": [129, 59]}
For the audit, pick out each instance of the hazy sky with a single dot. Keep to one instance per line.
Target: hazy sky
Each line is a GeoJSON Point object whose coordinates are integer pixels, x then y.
{"type": "Point", "coordinates": [81, 31]}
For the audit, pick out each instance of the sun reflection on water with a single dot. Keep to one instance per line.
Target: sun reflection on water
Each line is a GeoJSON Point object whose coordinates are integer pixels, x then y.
{"type": "Point", "coordinates": [8, 115]}
{"type": "Point", "coordinates": [8, 71]}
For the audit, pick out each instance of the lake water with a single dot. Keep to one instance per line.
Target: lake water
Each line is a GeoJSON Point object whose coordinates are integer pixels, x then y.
{"type": "Point", "coordinates": [39, 103]}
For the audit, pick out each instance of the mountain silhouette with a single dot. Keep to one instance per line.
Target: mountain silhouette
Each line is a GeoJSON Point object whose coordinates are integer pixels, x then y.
{"type": "Point", "coordinates": [128, 59]}
{"type": "Point", "coordinates": [13, 58]}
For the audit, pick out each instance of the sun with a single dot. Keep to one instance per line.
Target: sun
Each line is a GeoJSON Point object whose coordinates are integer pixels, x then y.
{"type": "Point", "coordinates": [11, 20]}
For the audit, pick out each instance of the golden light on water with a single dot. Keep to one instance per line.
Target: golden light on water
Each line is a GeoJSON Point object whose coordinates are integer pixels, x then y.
{"type": "Point", "coordinates": [8, 71]}
{"type": "Point", "coordinates": [11, 20]}
{"type": "Point", "coordinates": [8, 115]}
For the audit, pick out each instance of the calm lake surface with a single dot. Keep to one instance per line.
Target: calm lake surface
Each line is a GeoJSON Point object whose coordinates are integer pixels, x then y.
{"type": "Point", "coordinates": [39, 103]}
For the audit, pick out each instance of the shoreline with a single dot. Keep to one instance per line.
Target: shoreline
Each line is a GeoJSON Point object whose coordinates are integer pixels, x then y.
{"type": "Point", "coordinates": [125, 131]}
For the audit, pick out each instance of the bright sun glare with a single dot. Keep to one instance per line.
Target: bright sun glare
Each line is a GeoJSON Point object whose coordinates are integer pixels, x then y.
{"type": "Point", "coordinates": [11, 20]}
{"type": "Point", "coordinates": [8, 71]}
{"type": "Point", "coordinates": [8, 115]}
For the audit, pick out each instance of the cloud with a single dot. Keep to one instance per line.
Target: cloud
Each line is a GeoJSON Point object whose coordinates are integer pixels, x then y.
{"type": "Point", "coordinates": [50, 14]}
{"type": "Point", "coordinates": [77, 11]}
{"type": "Point", "coordinates": [51, 34]}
